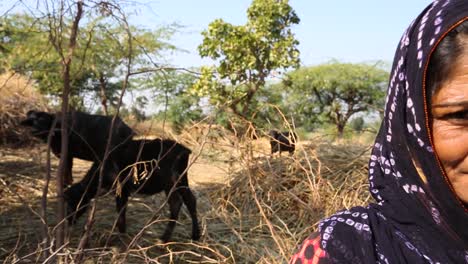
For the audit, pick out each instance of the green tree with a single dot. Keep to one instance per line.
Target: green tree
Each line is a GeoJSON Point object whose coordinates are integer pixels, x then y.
{"type": "Point", "coordinates": [106, 54]}
{"type": "Point", "coordinates": [247, 55]}
{"type": "Point", "coordinates": [334, 92]}
{"type": "Point", "coordinates": [100, 52]}
{"type": "Point", "coordinates": [29, 50]}
{"type": "Point", "coordinates": [170, 92]}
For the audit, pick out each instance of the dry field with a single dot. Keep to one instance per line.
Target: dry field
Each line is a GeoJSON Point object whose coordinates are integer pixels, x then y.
{"type": "Point", "coordinates": [253, 208]}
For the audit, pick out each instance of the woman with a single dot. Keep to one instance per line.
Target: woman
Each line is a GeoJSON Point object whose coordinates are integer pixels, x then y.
{"type": "Point", "coordinates": [418, 171]}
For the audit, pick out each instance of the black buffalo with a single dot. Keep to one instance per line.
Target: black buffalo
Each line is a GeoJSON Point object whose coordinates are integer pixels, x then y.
{"type": "Point", "coordinates": [144, 167]}
{"type": "Point", "coordinates": [282, 141]}
{"type": "Point", "coordinates": [87, 137]}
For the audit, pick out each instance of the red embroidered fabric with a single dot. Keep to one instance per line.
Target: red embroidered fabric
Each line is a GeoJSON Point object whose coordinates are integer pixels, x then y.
{"type": "Point", "coordinates": [310, 252]}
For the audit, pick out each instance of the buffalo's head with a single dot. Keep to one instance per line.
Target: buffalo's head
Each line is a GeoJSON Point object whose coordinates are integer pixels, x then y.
{"type": "Point", "coordinates": [39, 122]}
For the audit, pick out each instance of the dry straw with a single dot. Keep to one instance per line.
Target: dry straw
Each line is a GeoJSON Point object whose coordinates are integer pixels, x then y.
{"type": "Point", "coordinates": [257, 213]}
{"type": "Point", "coordinates": [17, 97]}
{"type": "Point", "coordinates": [273, 204]}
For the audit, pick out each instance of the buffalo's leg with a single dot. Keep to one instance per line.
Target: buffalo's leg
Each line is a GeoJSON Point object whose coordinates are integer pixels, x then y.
{"type": "Point", "coordinates": [121, 206]}
{"type": "Point", "coordinates": [68, 178]}
{"type": "Point", "coordinates": [191, 203]}
{"type": "Point", "coordinates": [175, 203]}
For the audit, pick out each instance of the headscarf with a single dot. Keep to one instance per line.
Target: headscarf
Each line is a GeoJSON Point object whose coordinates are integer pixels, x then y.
{"type": "Point", "coordinates": [417, 217]}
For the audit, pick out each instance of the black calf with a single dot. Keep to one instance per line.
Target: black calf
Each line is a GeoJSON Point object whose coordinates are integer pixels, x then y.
{"type": "Point", "coordinates": [282, 141]}
{"type": "Point", "coordinates": [161, 165]}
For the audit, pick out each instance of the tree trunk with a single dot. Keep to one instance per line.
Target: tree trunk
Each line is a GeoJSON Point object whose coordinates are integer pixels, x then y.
{"type": "Point", "coordinates": [45, 191]}
{"type": "Point", "coordinates": [60, 235]}
{"type": "Point", "coordinates": [102, 88]}
{"type": "Point", "coordinates": [340, 129]}
{"type": "Point", "coordinates": [89, 222]}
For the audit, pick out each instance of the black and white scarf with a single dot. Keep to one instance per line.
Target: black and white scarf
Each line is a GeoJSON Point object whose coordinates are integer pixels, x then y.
{"type": "Point", "coordinates": [417, 218]}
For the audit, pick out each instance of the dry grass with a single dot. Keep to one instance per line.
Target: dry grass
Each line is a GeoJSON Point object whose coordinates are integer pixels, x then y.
{"type": "Point", "coordinates": [252, 208]}
{"type": "Point", "coordinates": [17, 97]}
{"type": "Point", "coordinates": [278, 201]}
{"type": "Point", "coordinates": [21, 180]}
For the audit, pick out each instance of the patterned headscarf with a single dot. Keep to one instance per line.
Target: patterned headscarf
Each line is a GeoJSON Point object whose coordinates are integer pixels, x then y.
{"type": "Point", "coordinates": [417, 218]}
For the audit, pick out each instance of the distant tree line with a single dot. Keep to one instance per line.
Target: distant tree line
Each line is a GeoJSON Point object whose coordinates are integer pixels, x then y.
{"type": "Point", "coordinates": [256, 73]}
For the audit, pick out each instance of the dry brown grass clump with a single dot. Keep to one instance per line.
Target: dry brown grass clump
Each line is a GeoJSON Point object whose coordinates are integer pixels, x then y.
{"type": "Point", "coordinates": [273, 204]}
{"type": "Point", "coordinates": [17, 97]}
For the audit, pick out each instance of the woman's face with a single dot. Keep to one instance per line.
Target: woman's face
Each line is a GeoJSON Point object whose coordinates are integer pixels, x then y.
{"type": "Point", "coordinates": [450, 126]}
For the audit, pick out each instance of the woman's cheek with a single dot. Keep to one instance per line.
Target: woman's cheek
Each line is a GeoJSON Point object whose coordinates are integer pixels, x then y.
{"type": "Point", "coordinates": [450, 142]}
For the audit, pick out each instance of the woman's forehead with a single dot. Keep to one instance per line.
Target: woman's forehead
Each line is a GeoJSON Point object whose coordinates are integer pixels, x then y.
{"type": "Point", "coordinates": [455, 86]}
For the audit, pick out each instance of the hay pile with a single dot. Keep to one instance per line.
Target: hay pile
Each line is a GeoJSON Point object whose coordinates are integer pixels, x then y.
{"type": "Point", "coordinates": [274, 204]}
{"type": "Point", "coordinates": [18, 97]}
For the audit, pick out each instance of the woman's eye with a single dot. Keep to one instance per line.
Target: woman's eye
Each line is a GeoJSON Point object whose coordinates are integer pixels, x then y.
{"type": "Point", "coordinates": [459, 116]}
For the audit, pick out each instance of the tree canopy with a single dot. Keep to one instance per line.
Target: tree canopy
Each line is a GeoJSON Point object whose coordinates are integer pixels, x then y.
{"type": "Point", "coordinates": [247, 55]}
{"type": "Point", "coordinates": [101, 50]}
{"type": "Point", "coordinates": [255, 74]}
{"type": "Point", "coordinates": [334, 92]}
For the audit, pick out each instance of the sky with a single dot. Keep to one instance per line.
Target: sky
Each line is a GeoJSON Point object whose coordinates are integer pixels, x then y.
{"type": "Point", "coordinates": [346, 30]}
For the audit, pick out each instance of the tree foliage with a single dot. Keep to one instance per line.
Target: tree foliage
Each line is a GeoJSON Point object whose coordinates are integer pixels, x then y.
{"type": "Point", "coordinates": [101, 50]}
{"type": "Point", "coordinates": [247, 55]}
{"type": "Point", "coordinates": [334, 92]}
{"type": "Point", "coordinates": [170, 92]}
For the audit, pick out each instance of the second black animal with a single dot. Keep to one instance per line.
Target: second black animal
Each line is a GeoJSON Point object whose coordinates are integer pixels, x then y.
{"type": "Point", "coordinates": [282, 141]}
{"type": "Point", "coordinates": [160, 165]}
